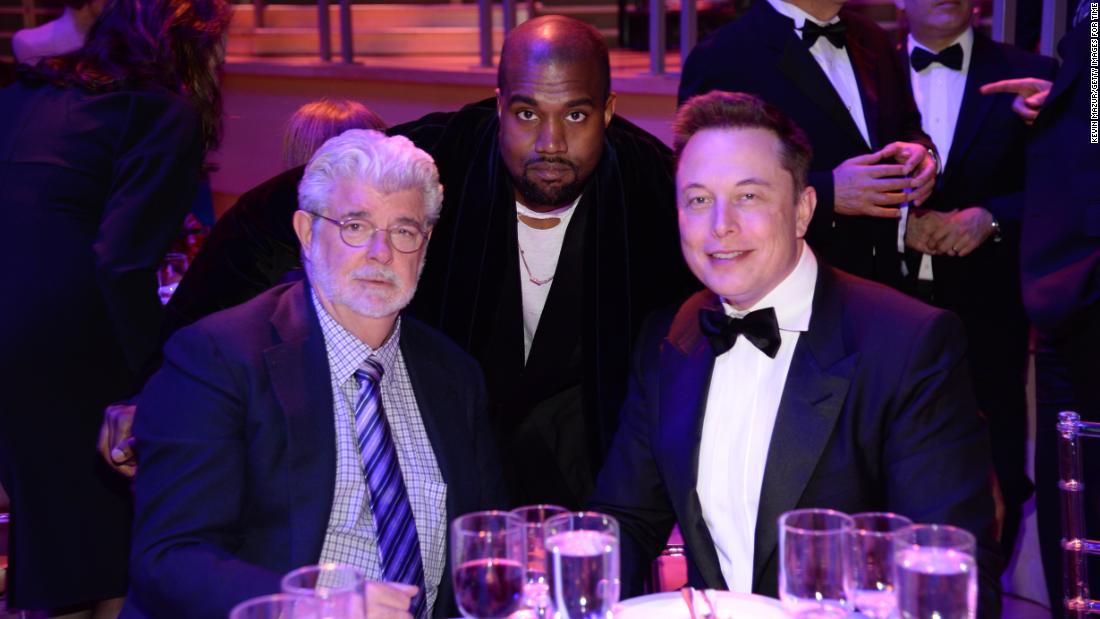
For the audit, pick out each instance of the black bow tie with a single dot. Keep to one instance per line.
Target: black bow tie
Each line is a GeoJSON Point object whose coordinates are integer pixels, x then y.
{"type": "Point", "coordinates": [759, 327]}
{"type": "Point", "coordinates": [812, 31]}
{"type": "Point", "coordinates": [952, 58]}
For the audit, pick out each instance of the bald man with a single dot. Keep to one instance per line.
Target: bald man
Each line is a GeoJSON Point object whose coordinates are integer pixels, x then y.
{"type": "Point", "coordinates": [558, 236]}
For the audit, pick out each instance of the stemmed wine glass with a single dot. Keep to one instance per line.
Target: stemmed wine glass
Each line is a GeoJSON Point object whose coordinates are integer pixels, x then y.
{"type": "Point", "coordinates": [489, 559]}
{"type": "Point", "coordinates": [582, 549]}
{"type": "Point", "coordinates": [536, 590]}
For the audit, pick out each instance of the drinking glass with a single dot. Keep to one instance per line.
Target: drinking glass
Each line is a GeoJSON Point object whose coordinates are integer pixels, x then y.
{"type": "Point", "coordinates": [341, 590]}
{"type": "Point", "coordinates": [872, 562]}
{"type": "Point", "coordinates": [278, 606]}
{"type": "Point", "coordinates": [583, 553]}
{"type": "Point", "coordinates": [489, 558]}
{"type": "Point", "coordinates": [536, 591]}
{"type": "Point", "coordinates": [169, 274]}
{"type": "Point", "coordinates": [936, 574]}
{"type": "Point", "coordinates": [814, 551]}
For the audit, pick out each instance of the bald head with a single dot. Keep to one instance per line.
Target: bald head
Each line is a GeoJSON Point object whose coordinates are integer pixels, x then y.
{"type": "Point", "coordinates": [554, 39]}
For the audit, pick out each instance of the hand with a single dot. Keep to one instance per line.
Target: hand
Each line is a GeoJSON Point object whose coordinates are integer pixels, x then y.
{"type": "Point", "coordinates": [918, 164]}
{"type": "Point", "coordinates": [389, 600]}
{"type": "Point", "coordinates": [864, 186]}
{"type": "Point", "coordinates": [116, 440]}
{"type": "Point", "coordinates": [1031, 93]}
{"type": "Point", "coordinates": [963, 232]}
{"type": "Point", "coordinates": [920, 228]}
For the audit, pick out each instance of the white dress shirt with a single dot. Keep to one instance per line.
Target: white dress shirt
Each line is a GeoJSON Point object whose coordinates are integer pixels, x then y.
{"type": "Point", "coordinates": [745, 389]}
{"type": "Point", "coordinates": [938, 92]}
{"type": "Point", "coordinates": [833, 61]}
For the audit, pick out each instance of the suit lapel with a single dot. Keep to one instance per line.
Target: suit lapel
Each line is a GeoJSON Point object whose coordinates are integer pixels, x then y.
{"type": "Point", "coordinates": [686, 364]}
{"type": "Point", "coordinates": [799, 66]}
{"type": "Point", "coordinates": [975, 106]}
{"type": "Point", "coordinates": [299, 372]}
{"type": "Point", "coordinates": [865, 67]}
{"type": "Point", "coordinates": [817, 384]}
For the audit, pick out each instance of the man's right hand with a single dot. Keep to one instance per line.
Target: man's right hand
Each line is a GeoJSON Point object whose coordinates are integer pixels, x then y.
{"type": "Point", "coordinates": [864, 185]}
{"type": "Point", "coordinates": [1031, 93]}
{"type": "Point", "coordinates": [389, 600]}
{"type": "Point", "coordinates": [116, 439]}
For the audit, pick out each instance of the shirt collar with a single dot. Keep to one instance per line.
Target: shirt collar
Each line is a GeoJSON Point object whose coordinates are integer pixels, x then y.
{"type": "Point", "coordinates": [798, 15]}
{"type": "Point", "coordinates": [793, 298]}
{"type": "Point", "coordinates": [965, 41]}
{"type": "Point", "coordinates": [347, 352]}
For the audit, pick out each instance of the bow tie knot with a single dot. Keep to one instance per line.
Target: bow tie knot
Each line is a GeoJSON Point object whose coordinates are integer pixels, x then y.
{"type": "Point", "coordinates": [812, 31]}
{"type": "Point", "coordinates": [952, 58]}
{"type": "Point", "coordinates": [759, 327]}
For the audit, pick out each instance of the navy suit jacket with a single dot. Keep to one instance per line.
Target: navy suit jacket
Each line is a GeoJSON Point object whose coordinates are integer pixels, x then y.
{"type": "Point", "coordinates": [238, 457]}
{"type": "Point", "coordinates": [875, 415]}
{"type": "Point", "coordinates": [1060, 249]}
{"type": "Point", "coordinates": [760, 54]}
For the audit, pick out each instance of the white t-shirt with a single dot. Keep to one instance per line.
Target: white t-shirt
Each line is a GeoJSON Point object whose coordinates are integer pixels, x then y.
{"type": "Point", "coordinates": [538, 263]}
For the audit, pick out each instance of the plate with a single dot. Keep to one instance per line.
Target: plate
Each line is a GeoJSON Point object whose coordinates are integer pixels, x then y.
{"type": "Point", "coordinates": [730, 605]}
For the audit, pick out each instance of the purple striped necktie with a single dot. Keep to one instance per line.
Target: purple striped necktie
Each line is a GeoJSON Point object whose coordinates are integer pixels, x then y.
{"type": "Point", "coordinates": [398, 544]}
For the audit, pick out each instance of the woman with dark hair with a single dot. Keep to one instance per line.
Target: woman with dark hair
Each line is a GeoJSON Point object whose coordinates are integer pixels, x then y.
{"type": "Point", "coordinates": [100, 152]}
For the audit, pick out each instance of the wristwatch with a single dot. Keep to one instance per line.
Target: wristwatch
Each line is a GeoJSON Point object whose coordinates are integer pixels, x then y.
{"type": "Point", "coordinates": [935, 157]}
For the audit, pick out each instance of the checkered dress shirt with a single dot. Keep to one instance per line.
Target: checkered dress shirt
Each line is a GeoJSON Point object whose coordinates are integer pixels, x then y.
{"type": "Point", "coordinates": [350, 537]}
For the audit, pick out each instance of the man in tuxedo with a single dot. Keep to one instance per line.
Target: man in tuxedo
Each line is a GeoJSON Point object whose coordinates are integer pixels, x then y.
{"type": "Point", "coordinates": [834, 72]}
{"type": "Point", "coordinates": [556, 239]}
{"type": "Point", "coordinates": [1060, 266]}
{"type": "Point", "coordinates": [315, 423]}
{"type": "Point", "coordinates": [964, 242]}
{"type": "Point", "coordinates": [841, 393]}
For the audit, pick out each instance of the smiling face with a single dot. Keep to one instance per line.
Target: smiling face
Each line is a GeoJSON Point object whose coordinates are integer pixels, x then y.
{"type": "Point", "coordinates": [936, 22]}
{"type": "Point", "coordinates": [740, 219]}
{"type": "Point", "coordinates": [374, 281]}
{"type": "Point", "coordinates": [552, 119]}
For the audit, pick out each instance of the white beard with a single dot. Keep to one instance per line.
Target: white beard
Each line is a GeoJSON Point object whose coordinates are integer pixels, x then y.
{"type": "Point", "coordinates": [351, 294]}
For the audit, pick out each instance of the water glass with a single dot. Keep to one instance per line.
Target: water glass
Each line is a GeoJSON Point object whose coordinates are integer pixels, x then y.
{"type": "Point", "coordinates": [814, 553]}
{"type": "Point", "coordinates": [872, 562]}
{"type": "Point", "coordinates": [278, 606]}
{"type": "Point", "coordinates": [536, 591]}
{"type": "Point", "coordinates": [341, 590]}
{"type": "Point", "coordinates": [936, 574]}
{"type": "Point", "coordinates": [169, 274]}
{"type": "Point", "coordinates": [583, 553]}
{"type": "Point", "coordinates": [489, 559]}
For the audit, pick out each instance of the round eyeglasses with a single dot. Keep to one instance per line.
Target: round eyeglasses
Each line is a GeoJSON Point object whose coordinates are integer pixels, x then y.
{"type": "Point", "coordinates": [405, 238]}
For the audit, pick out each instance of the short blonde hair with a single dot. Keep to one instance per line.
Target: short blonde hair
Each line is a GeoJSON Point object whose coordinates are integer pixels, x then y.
{"type": "Point", "coordinates": [317, 121]}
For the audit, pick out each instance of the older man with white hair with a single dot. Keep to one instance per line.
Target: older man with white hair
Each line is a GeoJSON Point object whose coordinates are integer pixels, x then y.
{"type": "Point", "coordinates": [314, 423]}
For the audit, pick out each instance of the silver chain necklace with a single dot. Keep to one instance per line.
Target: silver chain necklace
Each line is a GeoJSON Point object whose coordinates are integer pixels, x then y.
{"type": "Point", "coordinates": [530, 277]}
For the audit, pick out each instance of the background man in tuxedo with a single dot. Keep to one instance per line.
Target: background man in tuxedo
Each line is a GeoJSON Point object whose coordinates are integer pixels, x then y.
{"type": "Point", "coordinates": [964, 242]}
{"type": "Point", "coordinates": [835, 73]}
{"type": "Point", "coordinates": [314, 423]}
{"type": "Point", "coordinates": [842, 393]}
